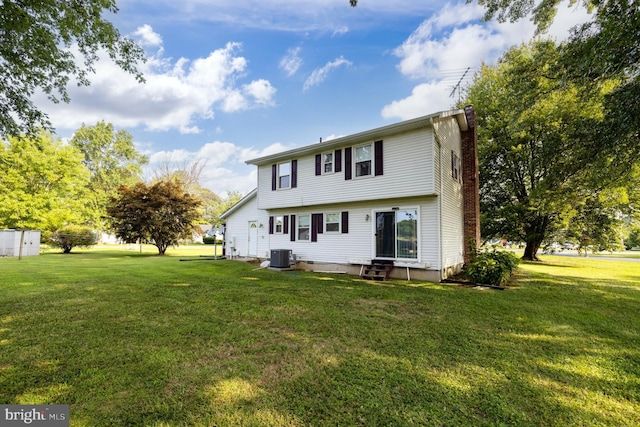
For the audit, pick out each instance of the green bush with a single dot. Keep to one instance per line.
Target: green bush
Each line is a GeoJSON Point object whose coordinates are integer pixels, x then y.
{"type": "Point", "coordinates": [209, 240]}
{"type": "Point", "coordinates": [492, 267]}
{"type": "Point", "coordinates": [72, 236]}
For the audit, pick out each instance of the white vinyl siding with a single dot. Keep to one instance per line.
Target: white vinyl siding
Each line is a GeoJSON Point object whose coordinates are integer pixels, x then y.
{"type": "Point", "coordinates": [417, 174]}
{"type": "Point", "coordinates": [238, 228]}
{"type": "Point", "coordinates": [407, 152]}
{"type": "Point", "coordinates": [359, 243]}
{"type": "Point", "coordinates": [451, 197]}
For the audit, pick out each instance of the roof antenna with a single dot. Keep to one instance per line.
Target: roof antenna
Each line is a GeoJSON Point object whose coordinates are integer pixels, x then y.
{"type": "Point", "coordinates": [457, 86]}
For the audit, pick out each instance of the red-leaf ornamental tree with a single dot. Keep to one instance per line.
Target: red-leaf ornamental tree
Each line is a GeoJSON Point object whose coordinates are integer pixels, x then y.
{"type": "Point", "coordinates": [162, 213]}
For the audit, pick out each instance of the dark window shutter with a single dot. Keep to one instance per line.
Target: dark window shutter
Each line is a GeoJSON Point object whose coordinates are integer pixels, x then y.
{"type": "Point", "coordinates": [270, 225]}
{"type": "Point", "coordinates": [345, 222]}
{"type": "Point", "coordinates": [347, 163]}
{"type": "Point", "coordinates": [274, 177]}
{"type": "Point", "coordinates": [316, 226]}
{"type": "Point", "coordinates": [318, 164]}
{"type": "Point", "coordinates": [293, 228]}
{"type": "Point", "coordinates": [294, 173]}
{"type": "Point", "coordinates": [377, 149]}
{"type": "Point", "coordinates": [320, 223]}
{"type": "Point", "coordinates": [285, 224]}
{"type": "Point", "coordinates": [337, 160]}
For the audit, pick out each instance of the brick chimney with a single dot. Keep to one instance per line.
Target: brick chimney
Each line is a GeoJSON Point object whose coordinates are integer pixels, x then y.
{"type": "Point", "coordinates": [470, 185]}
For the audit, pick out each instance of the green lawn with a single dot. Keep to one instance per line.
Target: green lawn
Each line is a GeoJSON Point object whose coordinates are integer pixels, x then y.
{"type": "Point", "coordinates": [133, 339]}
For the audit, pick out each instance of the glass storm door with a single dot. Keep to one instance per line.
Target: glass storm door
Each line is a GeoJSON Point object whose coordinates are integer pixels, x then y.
{"type": "Point", "coordinates": [385, 234]}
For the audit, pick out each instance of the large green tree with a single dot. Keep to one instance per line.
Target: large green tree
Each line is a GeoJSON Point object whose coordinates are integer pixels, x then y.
{"type": "Point", "coordinates": [42, 183]}
{"type": "Point", "coordinates": [605, 48]}
{"type": "Point", "coordinates": [162, 213]}
{"type": "Point", "coordinates": [44, 45]}
{"type": "Point", "coordinates": [112, 161]}
{"type": "Point", "coordinates": [530, 125]}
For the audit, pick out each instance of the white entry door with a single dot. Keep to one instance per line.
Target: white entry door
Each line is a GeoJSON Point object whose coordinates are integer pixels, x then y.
{"type": "Point", "coordinates": [253, 239]}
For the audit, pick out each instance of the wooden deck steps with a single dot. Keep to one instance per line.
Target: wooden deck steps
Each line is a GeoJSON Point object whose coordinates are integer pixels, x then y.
{"type": "Point", "coordinates": [377, 270]}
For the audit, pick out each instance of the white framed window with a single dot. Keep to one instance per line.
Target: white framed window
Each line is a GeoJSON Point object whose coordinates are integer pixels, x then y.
{"type": "Point", "coordinates": [332, 222]}
{"type": "Point", "coordinates": [304, 229]}
{"type": "Point", "coordinates": [327, 163]}
{"type": "Point", "coordinates": [284, 175]}
{"type": "Point", "coordinates": [455, 167]}
{"type": "Point", "coordinates": [362, 159]}
{"type": "Point", "coordinates": [278, 222]}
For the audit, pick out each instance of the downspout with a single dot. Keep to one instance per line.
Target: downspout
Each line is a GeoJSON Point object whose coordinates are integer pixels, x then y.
{"type": "Point", "coordinates": [437, 140]}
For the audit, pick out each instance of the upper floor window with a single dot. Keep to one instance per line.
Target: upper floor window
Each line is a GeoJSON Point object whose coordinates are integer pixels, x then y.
{"type": "Point", "coordinates": [327, 161]}
{"type": "Point", "coordinates": [284, 175]}
{"type": "Point", "coordinates": [363, 160]}
{"type": "Point", "coordinates": [455, 167]}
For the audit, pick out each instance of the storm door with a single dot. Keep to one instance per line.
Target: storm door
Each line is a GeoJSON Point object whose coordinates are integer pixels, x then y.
{"type": "Point", "coordinates": [386, 234]}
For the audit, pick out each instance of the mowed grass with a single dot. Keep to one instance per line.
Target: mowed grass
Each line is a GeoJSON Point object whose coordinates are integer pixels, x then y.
{"type": "Point", "coordinates": [133, 339]}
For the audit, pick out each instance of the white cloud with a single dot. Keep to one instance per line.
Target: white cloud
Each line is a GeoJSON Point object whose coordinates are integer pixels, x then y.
{"type": "Point", "coordinates": [176, 94]}
{"type": "Point", "coordinates": [332, 136]}
{"type": "Point", "coordinates": [291, 62]}
{"type": "Point", "coordinates": [455, 39]}
{"type": "Point", "coordinates": [225, 169]}
{"type": "Point", "coordinates": [261, 91]}
{"type": "Point", "coordinates": [245, 154]}
{"type": "Point", "coordinates": [147, 37]}
{"type": "Point", "coordinates": [440, 44]}
{"type": "Point", "coordinates": [424, 99]}
{"type": "Point", "coordinates": [319, 75]}
{"type": "Point", "coordinates": [340, 31]}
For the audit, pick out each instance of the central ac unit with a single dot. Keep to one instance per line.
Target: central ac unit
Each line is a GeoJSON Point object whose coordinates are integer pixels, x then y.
{"type": "Point", "coordinates": [280, 258]}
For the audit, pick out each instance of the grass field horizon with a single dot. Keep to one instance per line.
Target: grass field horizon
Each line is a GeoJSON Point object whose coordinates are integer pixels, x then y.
{"type": "Point", "coordinates": [135, 339]}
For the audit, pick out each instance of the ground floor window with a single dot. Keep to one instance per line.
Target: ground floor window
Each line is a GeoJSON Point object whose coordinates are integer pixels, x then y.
{"type": "Point", "coordinates": [332, 222]}
{"type": "Point", "coordinates": [397, 234]}
{"type": "Point", "coordinates": [303, 227]}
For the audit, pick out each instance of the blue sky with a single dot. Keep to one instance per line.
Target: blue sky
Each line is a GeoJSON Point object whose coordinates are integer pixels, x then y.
{"type": "Point", "coordinates": [229, 80]}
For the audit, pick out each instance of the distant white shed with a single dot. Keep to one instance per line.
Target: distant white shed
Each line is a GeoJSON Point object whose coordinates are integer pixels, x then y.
{"type": "Point", "coordinates": [19, 243]}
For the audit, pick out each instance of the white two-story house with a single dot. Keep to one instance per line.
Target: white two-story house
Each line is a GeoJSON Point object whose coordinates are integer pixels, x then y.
{"type": "Point", "coordinates": [405, 194]}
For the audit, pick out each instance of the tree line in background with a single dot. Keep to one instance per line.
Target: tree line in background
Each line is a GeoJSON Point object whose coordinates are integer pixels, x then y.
{"type": "Point", "coordinates": [91, 181]}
